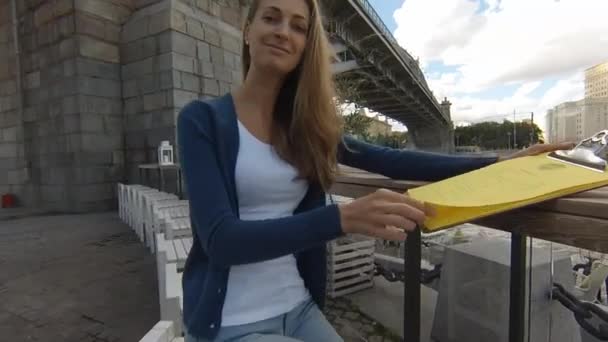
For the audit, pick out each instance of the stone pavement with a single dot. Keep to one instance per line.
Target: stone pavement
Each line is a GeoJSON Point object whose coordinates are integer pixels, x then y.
{"type": "Point", "coordinates": [88, 278]}
{"type": "Point", "coordinates": [75, 278]}
{"type": "Point", "coordinates": [353, 325]}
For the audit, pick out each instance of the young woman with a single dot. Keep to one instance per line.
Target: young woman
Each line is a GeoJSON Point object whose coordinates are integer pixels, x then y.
{"type": "Point", "coordinates": [257, 164]}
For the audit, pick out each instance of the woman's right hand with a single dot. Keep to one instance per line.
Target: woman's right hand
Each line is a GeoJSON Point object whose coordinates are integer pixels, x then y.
{"type": "Point", "coordinates": [383, 214]}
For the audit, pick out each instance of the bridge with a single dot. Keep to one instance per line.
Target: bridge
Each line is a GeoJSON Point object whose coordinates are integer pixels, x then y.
{"type": "Point", "coordinates": [384, 77]}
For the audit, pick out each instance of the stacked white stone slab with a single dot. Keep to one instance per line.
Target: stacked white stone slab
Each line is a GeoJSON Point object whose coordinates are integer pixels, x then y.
{"type": "Point", "coordinates": [162, 222]}
{"type": "Point", "coordinates": [350, 261]}
{"type": "Point", "coordinates": [163, 331]}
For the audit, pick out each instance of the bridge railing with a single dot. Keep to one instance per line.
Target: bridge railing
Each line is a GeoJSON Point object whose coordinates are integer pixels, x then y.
{"type": "Point", "coordinates": [410, 62]}
{"type": "Point", "coordinates": [579, 221]}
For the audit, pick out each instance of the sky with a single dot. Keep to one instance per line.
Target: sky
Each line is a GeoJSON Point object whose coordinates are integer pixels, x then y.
{"type": "Point", "coordinates": [492, 58]}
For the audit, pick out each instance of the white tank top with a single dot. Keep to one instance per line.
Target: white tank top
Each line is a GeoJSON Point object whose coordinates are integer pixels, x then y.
{"type": "Point", "coordinates": [266, 188]}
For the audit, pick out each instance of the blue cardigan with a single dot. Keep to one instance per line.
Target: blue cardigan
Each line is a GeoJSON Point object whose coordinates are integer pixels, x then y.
{"type": "Point", "coordinates": [208, 143]}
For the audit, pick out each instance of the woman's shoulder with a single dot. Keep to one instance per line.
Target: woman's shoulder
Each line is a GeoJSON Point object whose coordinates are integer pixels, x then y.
{"type": "Point", "coordinates": [205, 113]}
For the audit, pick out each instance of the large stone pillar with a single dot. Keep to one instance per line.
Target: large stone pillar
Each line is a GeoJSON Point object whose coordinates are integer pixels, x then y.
{"type": "Point", "coordinates": [14, 173]}
{"type": "Point", "coordinates": [98, 84]}
{"type": "Point", "coordinates": [174, 51]}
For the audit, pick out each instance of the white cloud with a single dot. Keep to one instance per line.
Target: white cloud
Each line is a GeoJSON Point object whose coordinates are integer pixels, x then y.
{"type": "Point", "coordinates": [510, 41]}
{"type": "Point", "coordinates": [470, 109]}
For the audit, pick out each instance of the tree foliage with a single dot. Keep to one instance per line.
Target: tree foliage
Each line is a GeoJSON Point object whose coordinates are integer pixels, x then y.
{"type": "Point", "coordinates": [495, 135]}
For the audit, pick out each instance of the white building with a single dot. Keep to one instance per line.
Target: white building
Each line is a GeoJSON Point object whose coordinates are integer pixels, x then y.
{"type": "Point", "coordinates": [576, 120]}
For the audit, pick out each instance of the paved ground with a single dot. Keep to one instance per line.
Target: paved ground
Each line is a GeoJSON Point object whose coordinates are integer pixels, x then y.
{"type": "Point", "coordinates": [88, 278]}
{"type": "Point", "coordinates": [353, 325]}
{"type": "Point", "coordinates": [74, 278]}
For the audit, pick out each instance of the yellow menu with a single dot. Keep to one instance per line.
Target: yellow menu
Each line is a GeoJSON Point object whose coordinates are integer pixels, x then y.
{"type": "Point", "coordinates": [501, 187]}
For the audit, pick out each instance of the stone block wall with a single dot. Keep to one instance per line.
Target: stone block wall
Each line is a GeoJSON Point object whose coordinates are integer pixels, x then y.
{"type": "Point", "coordinates": [93, 86]}
{"type": "Point", "coordinates": [14, 174]}
{"type": "Point", "coordinates": [174, 52]}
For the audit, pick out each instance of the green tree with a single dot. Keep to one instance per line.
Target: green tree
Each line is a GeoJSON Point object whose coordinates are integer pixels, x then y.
{"type": "Point", "coordinates": [357, 124]}
{"type": "Point", "coordinates": [495, 135]}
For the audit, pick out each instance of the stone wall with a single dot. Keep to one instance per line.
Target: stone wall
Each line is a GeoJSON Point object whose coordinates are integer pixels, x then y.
{"type": "Point", "coordinates": [98, 85]}
{"type": "Point", "coordinates": [13, 172]}
{"type": "Point", "coordinates": [173, 52]}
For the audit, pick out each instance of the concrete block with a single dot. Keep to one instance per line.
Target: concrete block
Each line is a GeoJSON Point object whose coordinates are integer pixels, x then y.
{"type": "Point", "coordinates": [170, 79]}
{"type": "Point", "coordinates": [224, 87]}
{"type": "Point", "coordinates": [229, 60]}
{"type": "Point", "coordinates": [211, 87]}
{"type": "Point", "coordinates": [148, 47]}
{"type": "Point", "coordinates": [69, 67]}
{"type": "Point", "coordinates": [101, 158]}
{"type": "Point", "coordinates": [159, 22]}
{"type": "Point", "coordinates": [130, 52]}
{"type": "Point", "coordinates": [8, 87]}
{"type": "Point", "coordinates": [129, 88]}
{"type": "Point", "coordinates": [217, 55]}
{"type": "Point", "coordinates": [212, 36]}
{"type": "Point", "coordinates": [67, 48]}
{"type": "Point", "coordinates": [237, 77]}
{"type": "Point", "coordinates": [136, 140]}
{"type": "Point", "coordinates": [98, 69]}
{"type": "Point", "coordinates": [222, 73]}
{"type": "Point", "coordinates": [99, 105]}
{"type": "Point", "coordinates": [137, 69]}
{"type": "Point", "coordinates": [69, 105]}
{"type": "Point", "coordinates": [195, 28]}
{"type": "Point", "coordinates": [473, 301]}
{"type": "Point", "coordinates": [99, 87]}
{"type": "Point", "coordinates": [89, 25]}
{"type": "Point", "coordinates": [92, 142]}
{"type": "Point", "coordinates": [183, 63]}
{"type": "Point", "coordinates": [94, 48]}
{"type": "Point", "coordinates": [134, 105]}
{"type": "Point", "coordinates": [63, 7]}
{"type": "Point", "coordinates": [178, 22]}
{"type": "Point", "coordinates": [155, 101]}
{"type": "Point", "coordinates": [135, 29]}
{"type": "Point", "coordinates": [103, 9]}
{"type": "Point", "coordinates": [67, 26]}
{"type": "Point", "coordinates": [19, 176]}
{"type": "Point", "coordinates": [91, 123]}
{"type": "Point", "coordinates": [71, 123]}
{"type": "Point", "coordinates": [8, 150]}
{"type": "Point", "coordinates": [203, 51]}
{"type": "Point", "coordinates": [52, 193]}
{"type": "Point", "coordinates": [183, 44]}
{"type": "Point", "coordinates": [113, 124]}
{"type": "Point", "coordinates": [7, 103]}
{"type": "Point", "coordinates": [8, 134]}
{"type": "Point", "coordinates": [43, 14]}
{"type": "Point", "coordinates": [94, 192]}
{"type": "Point", "coordinates": [182, 98]}
{"type": "Point", "coordinates": [149, 83]}
{"type": "Point", "coordinates": [203, 5]}
{"type": "Point", "coordinates": [231, 15]}
{"type": "Point", "coordinates": [112, 32]}
{"type": "Point", "coordinates": [32, 80]}
{"type": "Point", "coordinates": [190, 82]}
{"type": "Point", "coordinates": [231, 44]}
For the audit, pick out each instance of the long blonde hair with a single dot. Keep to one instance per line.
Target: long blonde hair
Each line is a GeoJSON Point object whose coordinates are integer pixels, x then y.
{"type": "Point", "coordinates": [307, 127]}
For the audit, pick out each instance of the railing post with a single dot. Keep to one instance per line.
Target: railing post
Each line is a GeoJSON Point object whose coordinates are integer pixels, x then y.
{"type": "Point", "coordinates": [411, 287]}
{"type": "Point", "coordinates": [517, 295]}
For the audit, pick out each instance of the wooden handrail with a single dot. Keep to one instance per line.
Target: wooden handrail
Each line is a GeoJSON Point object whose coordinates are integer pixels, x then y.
{"type": "Point", "coordinates": [579, 220]}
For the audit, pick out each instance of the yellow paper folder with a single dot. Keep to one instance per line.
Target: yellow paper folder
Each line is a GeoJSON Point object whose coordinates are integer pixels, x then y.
{"type": "Point", "coordinates": [501, 187]}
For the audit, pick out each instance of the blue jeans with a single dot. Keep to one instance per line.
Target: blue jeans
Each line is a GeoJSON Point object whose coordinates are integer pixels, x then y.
{"type": "Point", "coordinates": [305, 323]}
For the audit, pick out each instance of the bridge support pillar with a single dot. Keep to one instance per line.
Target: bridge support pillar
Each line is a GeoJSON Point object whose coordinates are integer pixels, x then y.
{"type": "Point", "coordinates": [432, 138]}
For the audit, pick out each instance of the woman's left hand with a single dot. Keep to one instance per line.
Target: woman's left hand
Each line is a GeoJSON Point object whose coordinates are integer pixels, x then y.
{"type": "Point", "coordinates": [538, 149]}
